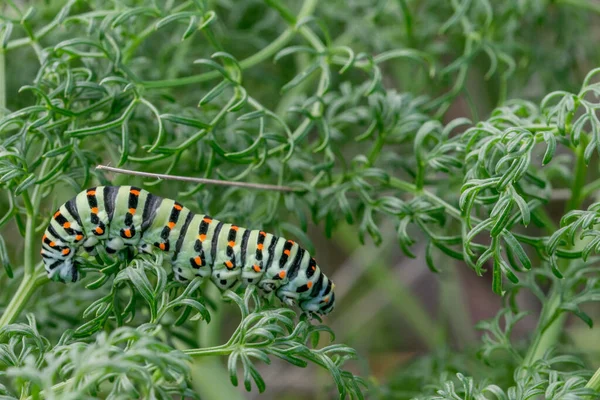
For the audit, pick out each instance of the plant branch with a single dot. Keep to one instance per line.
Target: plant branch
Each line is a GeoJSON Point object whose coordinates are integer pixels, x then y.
{"type": "Point", "coordinates": [583, 4]}
{"type": "Point", "coordinates": [2, 82]}
{"type": "Point", "coordinates": [577, 188]}
{"type": "Point", "coordinates": [221, 350]}
{"type": "Point", "coordinates": [259, 186]}
{"type": "Point", "coordinates": [265, 53]}
{"type": "Point", "coordinates": [411, 188]}
{"type": "Point", "coordinates": [21, 297]}
{"type": "Point", "coordinates": [550, 323]}
{"type": "Point", "coordinates": [30, 280]}
{"type": "Point", "coordinates": [594, 382]}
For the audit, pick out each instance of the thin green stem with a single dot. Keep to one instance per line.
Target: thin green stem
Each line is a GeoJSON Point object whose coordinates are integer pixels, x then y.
{"type": "Point", "coordinates": [32, 37]}
{"type": "Point", "coordinates": [450, 209]}
{"type": "Point", "coordinates": [408, 25]}
{"type": "Point", "coordinates": [267, 52]}
{"type": "Point", "coordinates": [210, 334]}
{"type": "Point", "coordinates": [299, 132]}
{"type": "Point", "coordinates": [244, 64]}
{"type": "Point", "coordinates": [584, 4]}
{"type": "Point", "coordinates": [312, 38]}
{"type": "Point", "coordinates": [590, 188]}
{"type": "Point", "coordinates": [580, 174]}
{"type": "Point", "coordinates": [594, 382]}
{"type": "Point", "coordinates": [551, 321]}
{"type": "Point", "coordinates": [222, 350]}
{"type": "Point", "coordinates": [2, 82]}
{"type": "Point", "coordinates": [403, 185]}
{"type": "Point", "coordinates": [411, 188]}
{"type": "Point", "coordinates": [210, 378]}
{"type": "Point", "coordinates": [32, 205]}
{"type": "Point", "coordinates": [30, 280]}
{"type": "Point", "coordinates": [29, 237]}
{"type": "Point", "coordinates": [546, 333]}
{"type": "Point", "coordinates": [376, 149]}
{"type": "Point", "coordinates": [28, 204]}
{"type": "Point", "coordinates": [302, 61]}
{"type": "Point", "coordinates": [135, 42]}
{"type": "Point", "coordinates": [20, 299]}
{"type": "Point", "coordinates": [218, 182]}
{"type": "Point", "coordinates": [285, 13]}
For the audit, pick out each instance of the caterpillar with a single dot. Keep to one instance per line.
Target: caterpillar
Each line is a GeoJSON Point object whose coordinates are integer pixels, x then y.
{"type": "Point", "coordinates": [120, 217]}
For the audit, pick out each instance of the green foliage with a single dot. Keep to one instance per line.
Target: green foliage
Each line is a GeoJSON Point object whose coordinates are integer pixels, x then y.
{"type": "Point", "coordinates": [432, 117]}
{"type": "Point", "coordinates": [133, 360]}
{"type": "Point", "coordinates": [272, 332]}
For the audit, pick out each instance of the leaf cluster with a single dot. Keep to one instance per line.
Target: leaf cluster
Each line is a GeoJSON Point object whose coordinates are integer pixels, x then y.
{"type": "Point", "coordinates": [133, 360]}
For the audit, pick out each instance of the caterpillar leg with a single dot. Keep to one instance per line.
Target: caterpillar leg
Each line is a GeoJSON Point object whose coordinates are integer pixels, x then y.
{"type": "Point", "coordinates": [290, 302]}
{"type": "Point", "coordinates": [89, 245]}
{"type": "Point", "coordinates": [226, 279]}
{"type": "Point", "coordinates": [185, 269]}
{"type": "Point", "coordinates": [184, 274]}
{"type": "Point", "coordinates": [287, 297]}
{"type": "Point", "coordinates": [267, 287]}
{"type": "Point", "coordinates": [145, 248]}
{"type": "Point", "coordinates": [252, 273]}
{"type": "Point", "coordinates": [114, 245]}
{"type": "Point", "coordinates": [179, 275]}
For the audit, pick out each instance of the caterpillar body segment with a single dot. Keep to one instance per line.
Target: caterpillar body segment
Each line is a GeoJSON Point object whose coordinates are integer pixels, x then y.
{"type": "Point", "coordinates": [119, 217]}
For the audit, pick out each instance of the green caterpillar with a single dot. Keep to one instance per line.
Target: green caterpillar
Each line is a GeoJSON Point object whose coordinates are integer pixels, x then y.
{"type": "Point", "coordinates": [121, 216]}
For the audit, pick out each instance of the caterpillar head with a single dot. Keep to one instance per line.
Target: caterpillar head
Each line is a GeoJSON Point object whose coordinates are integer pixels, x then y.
{"type": "Point", "coordinates": [61, 269]}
